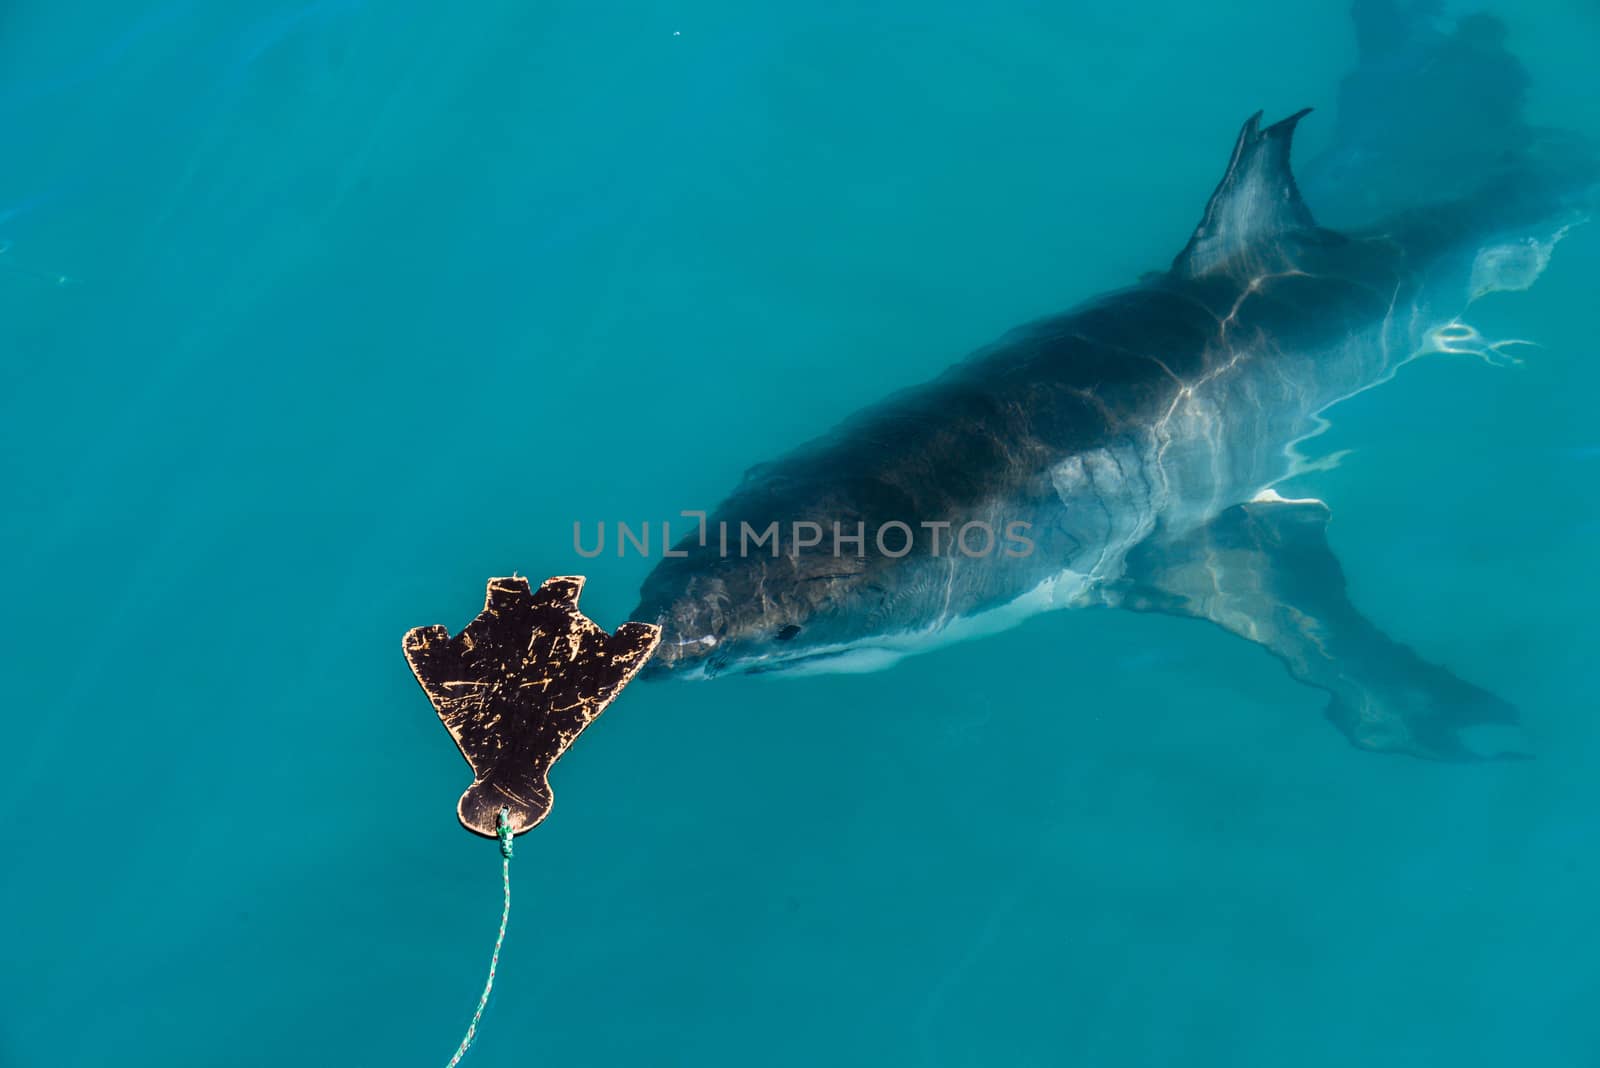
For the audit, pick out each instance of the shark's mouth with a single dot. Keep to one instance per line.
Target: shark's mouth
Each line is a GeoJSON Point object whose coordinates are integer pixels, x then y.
{"type": "Point", "coordinates": [847, 660]}
{"type": "Point", "coordinates": [853, 659]}
{"type": "Point", "coordinates": [876, 652]}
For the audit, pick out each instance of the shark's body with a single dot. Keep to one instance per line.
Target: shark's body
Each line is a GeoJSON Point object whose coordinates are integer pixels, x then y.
{"type": "Point", "coordinates": [1137, 439]}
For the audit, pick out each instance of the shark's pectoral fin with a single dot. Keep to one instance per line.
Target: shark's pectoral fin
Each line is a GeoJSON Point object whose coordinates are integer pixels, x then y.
{"type": "Point", "coordinates": [1264, 571]}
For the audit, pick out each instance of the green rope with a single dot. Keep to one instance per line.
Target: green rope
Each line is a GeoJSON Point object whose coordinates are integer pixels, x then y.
{"type": "Point", "coordinates": [504, 831]}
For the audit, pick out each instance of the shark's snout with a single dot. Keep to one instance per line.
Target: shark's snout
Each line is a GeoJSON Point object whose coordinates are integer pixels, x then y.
{"type": "Point", "coordinates": [749, 612]}
{"type": "Point", "coordinates": [690, 635]}
{"type": "Point", "coordinates": [720, 620]}
{"type": "Point", "coordinates": [678, 656]}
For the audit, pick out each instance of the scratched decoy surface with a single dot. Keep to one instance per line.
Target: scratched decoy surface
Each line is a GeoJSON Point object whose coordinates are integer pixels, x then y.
{"type": "Point", "coordinates": [518, 685]}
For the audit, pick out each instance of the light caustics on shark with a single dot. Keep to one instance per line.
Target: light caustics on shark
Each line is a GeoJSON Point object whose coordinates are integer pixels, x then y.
{"type": "Point", "coordinates": [1141, 436]}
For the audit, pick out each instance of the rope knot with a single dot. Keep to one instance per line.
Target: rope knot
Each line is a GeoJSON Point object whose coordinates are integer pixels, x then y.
{"type": "Point", "coordinates": [503, 829]}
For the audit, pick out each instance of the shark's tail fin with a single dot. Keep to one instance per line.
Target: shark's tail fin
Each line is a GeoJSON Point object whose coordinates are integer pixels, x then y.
{"type": "Point", "coordinates": [1434, 111]}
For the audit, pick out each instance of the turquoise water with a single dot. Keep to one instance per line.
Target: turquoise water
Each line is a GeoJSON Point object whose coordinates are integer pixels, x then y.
{"type": "Point", "coordinates": [304, 310]}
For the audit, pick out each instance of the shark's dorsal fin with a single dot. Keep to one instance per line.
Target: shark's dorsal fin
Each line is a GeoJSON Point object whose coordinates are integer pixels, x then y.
{"type": "Point", "coordinates": [1255, 201]}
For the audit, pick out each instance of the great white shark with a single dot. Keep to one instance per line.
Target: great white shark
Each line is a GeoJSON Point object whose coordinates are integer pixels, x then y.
{"type": "Point", "coordinates": [1141, 438]}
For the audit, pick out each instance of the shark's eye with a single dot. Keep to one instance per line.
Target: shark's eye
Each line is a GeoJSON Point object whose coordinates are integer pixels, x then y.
{"type": "Point", "coordinates": [788, 632]}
